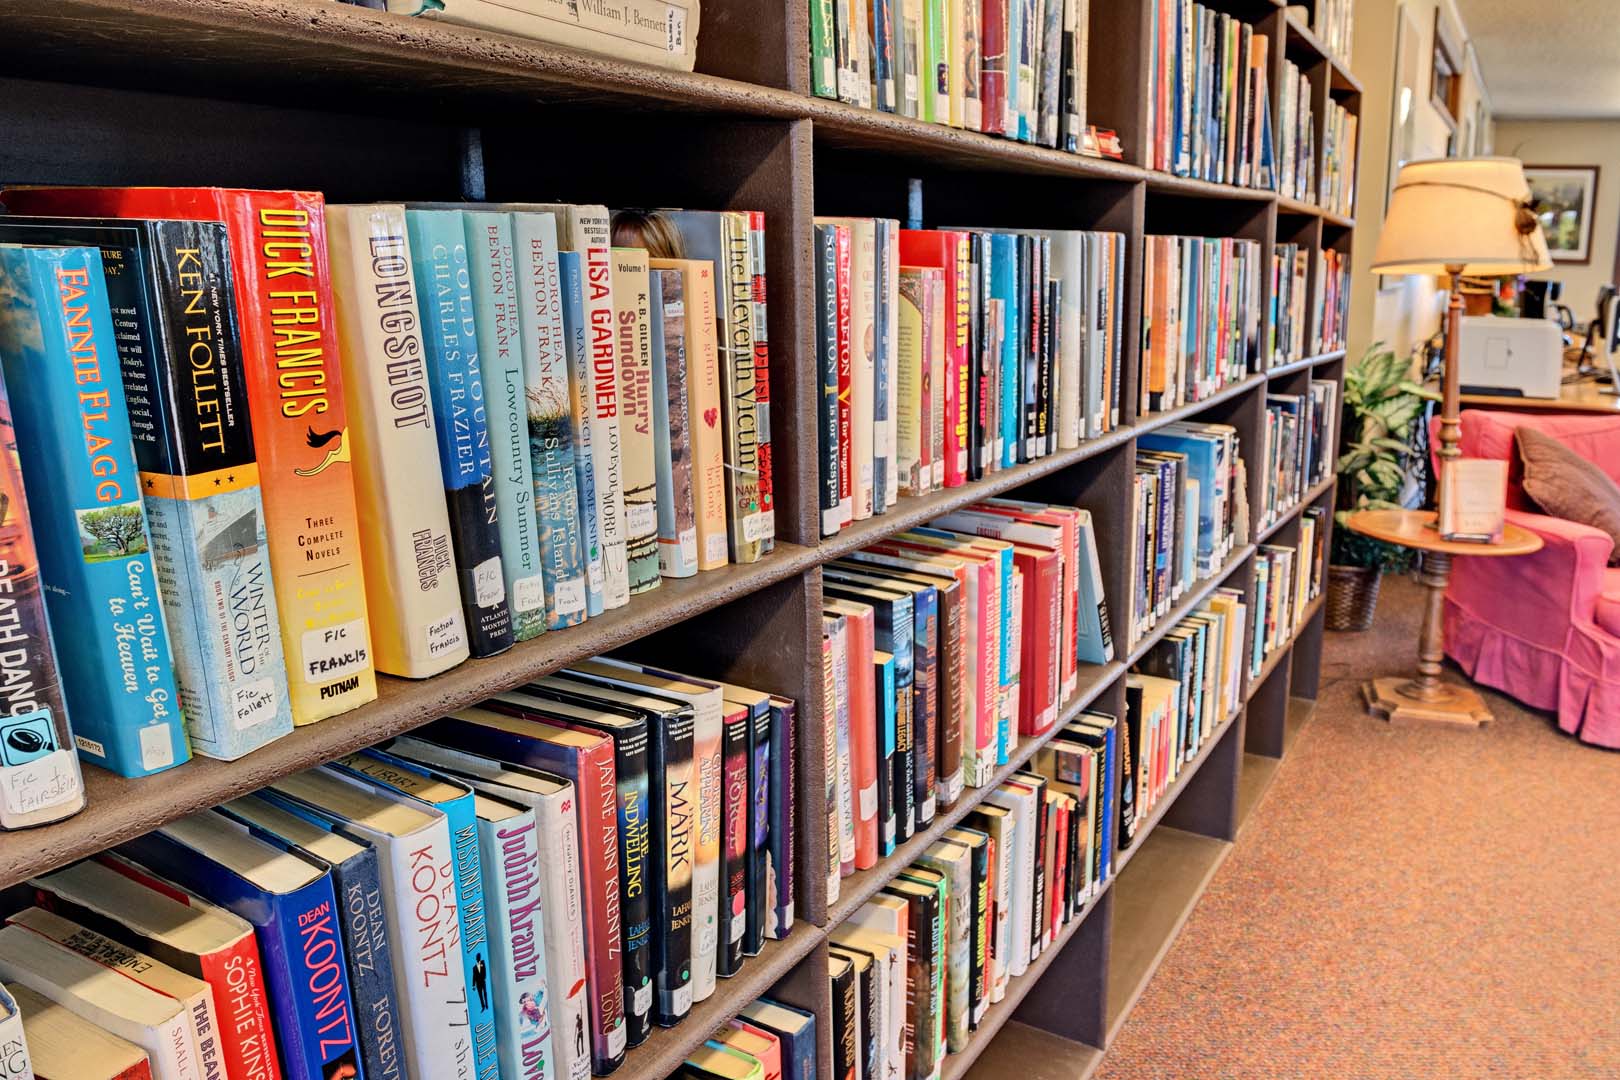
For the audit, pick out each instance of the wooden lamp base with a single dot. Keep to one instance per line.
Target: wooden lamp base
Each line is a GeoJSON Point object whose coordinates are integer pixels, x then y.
{"type": "Point", "coordinates": [1401, 698]}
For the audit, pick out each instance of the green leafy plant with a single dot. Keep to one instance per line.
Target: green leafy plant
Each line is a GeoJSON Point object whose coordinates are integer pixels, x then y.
{"type": "Point", "coordinates": [1381, 403]}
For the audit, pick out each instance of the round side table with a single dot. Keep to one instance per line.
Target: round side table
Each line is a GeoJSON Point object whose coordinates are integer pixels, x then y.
{"type": "Point", "coordinates": [1423, 696]}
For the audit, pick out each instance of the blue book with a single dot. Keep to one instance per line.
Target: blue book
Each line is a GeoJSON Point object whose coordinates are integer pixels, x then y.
{"type": "Point", "coordinates": [364, 922]}
{"type": "Point", "coordinates": [450, 335]}
{"type": "Point", "coordinates": [199, 482]}
{"type": "Point", "coordinates": [796, 1029]}
{"type": "Point", "coordinates": [1004, 289]}
{"type": "Point", "coordinates": [579, 383]}
{"type": "Point", "coordinates": [73, 441]}
{"type": "Point", "coordinates": [883, 89]}
{"type": "Point", "coordinates": [551, 429]}
{"type": "Point", "coordinates": [455, 800]}
{"type": "Point", "coordinates": [291, 904]}
{"type": "Point", "coordinates": [1203, 462]}
{"type": "Point", "coordinates": [884, 664]}
{"type": "Point", "coordinates": [780, 863]}
{"type": "Point", "coordinates": [498, 294]}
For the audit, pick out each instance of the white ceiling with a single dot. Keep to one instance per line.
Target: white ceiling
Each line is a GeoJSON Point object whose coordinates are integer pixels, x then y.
{"type": "Point", "coordinates": [1553, 58]}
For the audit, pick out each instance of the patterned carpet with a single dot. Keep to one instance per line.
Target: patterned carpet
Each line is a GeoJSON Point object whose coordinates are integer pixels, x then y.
{"type": "Point", "coordinates": [1406, 902]}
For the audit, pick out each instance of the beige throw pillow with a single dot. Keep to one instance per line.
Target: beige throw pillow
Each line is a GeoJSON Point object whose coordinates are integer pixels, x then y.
{"type": "Point", "coordinates": [1567, 486]}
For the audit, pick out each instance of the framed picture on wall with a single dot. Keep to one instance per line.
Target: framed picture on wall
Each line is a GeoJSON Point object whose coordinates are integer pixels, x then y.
{"type": "Point", "coordinates": [1564, 196]}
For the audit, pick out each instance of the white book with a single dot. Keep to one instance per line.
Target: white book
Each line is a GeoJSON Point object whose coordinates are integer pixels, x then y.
{"type": "Point", "coordinates": [551, 798]}
{"type": "Point", "coordinates": [155, 1022]}
{"type": "Point", "coordinates": [15, 1063]}
{"type": "Point", "coordinates": [193, 995]}
{"type": "Point", "coordinates": [1068, 265]}
{"type": "Point", "coordinates": [889, 437]}
{"type": "Point", "coordinates": [708, 723]}
{"type": "Point", "coordinates": [418, 628]}
{"type": "Point", "coordinates": [1021, 802]}
{"type": "Point", "coordinates": [657, 32]}
{"type": "Point", "coordinates": [417, 867]}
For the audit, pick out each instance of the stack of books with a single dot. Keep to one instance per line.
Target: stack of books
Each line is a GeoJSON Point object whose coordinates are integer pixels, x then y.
{"type": "Point", "coordinates": [1339, 162]}
{"type": "Point", "coordinates": [1014, 68]}
{"type": "Point", "coordinates": [1297, 447]}
{"type": "Point", "coordinates": [1286, 580]}
{"type": "Point", "coordinates": [1209, 102]}
{"type": "Point", "coordinates": [1288, 326]}
{"type": "Point", "coordinates": [946, 355]}
{"type": "Point", "coordinates": [1296, 136]}
{"type": "Point", "coordinates": [524, 887]}
{"type": "Point", "coordinates": [1202, 317]}
{"type": "Point", "coordinates": [1189, 512]}
{"type": "Point", "coordinates": [1332, 301]}
{"type": "Point", "coordinates": [536, 410]}
{"type": "Point", "coordinates": [942, 647]}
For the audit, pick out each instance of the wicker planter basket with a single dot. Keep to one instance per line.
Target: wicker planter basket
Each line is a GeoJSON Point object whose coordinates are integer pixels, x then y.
{"type": "Point", "coordinates": [1352, 597]}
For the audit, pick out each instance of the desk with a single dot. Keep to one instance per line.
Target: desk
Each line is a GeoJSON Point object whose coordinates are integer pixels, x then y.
{"type": "Point", "coordinates": [1582, 397]}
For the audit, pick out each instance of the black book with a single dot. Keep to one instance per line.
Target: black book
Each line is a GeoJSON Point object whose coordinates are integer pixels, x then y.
{"type": "Point", "coordinates": [978, 845]}
{"type": "Point", "coordinates": [866, 1006]}
{"type": "Point", "coordinates": [1130, 751]}
{"type": "Point", "coordinates": [630, 734]}
{"type": "Point", "coordinates": [845, 1016]}
{"type": "Point", "coordinates": [1054, 352]}
{"type": "Point", "coordinates": [1025, 416]}
{"type": "Point", "coordinates": [827, 366]}
{"type": "Point", "coordinates": [1038, 906]}
{"type": "Point", "coordinates": [672, 793]}
{"type": "Point", "coordinates": [924, 949]}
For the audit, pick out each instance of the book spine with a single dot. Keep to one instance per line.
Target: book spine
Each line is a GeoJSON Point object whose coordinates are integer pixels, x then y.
{"type": "Point", "coordinates": [955, 698]}
{"type": "Point", "coordinates": [571, 271]}
{"type": "Point", "coordinates": [936, 321]}
{"type": "Point", "coordinates": [632, 333]}
{"type": "Point", "coordinates": [409, 568]}
{"type": "Point", "coordinates": [993, 68]}
{"type": "Point", "coordinates": [901, 642]}
{"type": "Point", "coordinates": [863, 372]}
{"type": "Point", "coordinates": [439, 254]}
{"type": "Point", "coordinates": [40, 780]}
{"type": "Point", "coordinates": [845, 441]}
{"type": "Point", "coordinates": [783, 840]}
{"type": "Point", "coordinates": [367, 950]}
{"type": "Point", "coordinates": [883, 301]}
{"type": "Point", "coordinates": [734, 830]}
{"type": "Point", "coordinates": [925, 702]}
{"type": "Point", "coordinates": [73, 439]}
{"type": "Point", "coordinates": [597, 373]}
{"type": "Point", "coordinates": [827, 366]}
{"type": "Point", "coordinates": [674, 793]}
{"type": "Point", "coordinates": [884, 702]}
{"type": "Point", "coordinates": [823, 62]}
{"type": "Point", "coordinates": [910, 365]}
{"type": "Point", "coordinates": [759, 832]}
{"type": "Point", "coordinates": [474, 925]}
{"type": "Point", "coordinates": [883, 54]}
{"type": "Point", "coordinates": [844, 688]}
{"type": "Point", "coordinates": [935, 94]}
{"type": "Point", "coordinates": [829, 694]}
{"type": "Point", "coordinates": [708, 764]}
{"type": "Point", "coordinates": [635, 903]}
{"type": "Point", "coordinates": [546, 407]}
{"type": "Point", "coordinates": [748, 524]}
{"type": "Point", "coordinates": [496, 293]}
{"type": "Point", "coordinates": [557, 824]}
{"type": "Point", "coordinates": [672, 424]}
{"type": "Point", "coordinates": [509, 856]}
{"type": "Point", "coordinates": [199, 487]}
{"type": "Point", "coordinates": [766, 524]}
{"type": "Point", "coordinates": [703, 387]}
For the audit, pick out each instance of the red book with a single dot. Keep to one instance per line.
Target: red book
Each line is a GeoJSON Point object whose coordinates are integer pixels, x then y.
{"type": "Point", "coordinates": [762, 368]}
{"type": "Point", "coordinates": [1040, 673]}
{"type": "Point", "coordinates": [863, 753]}
{"type": "Point", "coordinates": [1058, 874]}
{"type": "Point", "coordinates": [846, 420]}
{"type": "Point", "coordinates": [949, 253]}
{"type": "Point", "coordinates": [993, 71]}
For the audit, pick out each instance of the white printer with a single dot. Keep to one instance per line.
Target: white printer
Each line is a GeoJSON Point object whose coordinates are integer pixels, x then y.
{"type": "Point", "coordinates": [1512, 357]}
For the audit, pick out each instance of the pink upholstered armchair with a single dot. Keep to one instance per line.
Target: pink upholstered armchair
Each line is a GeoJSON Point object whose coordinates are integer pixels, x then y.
{"type": "Point", "coordinates": [1543, 628]}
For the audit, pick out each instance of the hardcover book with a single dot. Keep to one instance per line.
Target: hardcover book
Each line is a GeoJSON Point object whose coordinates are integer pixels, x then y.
{"type": "Point", "coordinates": [571, 272]}
{"type": "Point", "coordinates": [418, 627]}
{"type": "Point", "coordinates": [73, 439]}
{"type": "Point", "coordinates": [496, 293]}
{"type": "Point", "coordinates": [298, 417]}
{"type": "Point", "coordinates": [632, 335]}
{"type": "Point", "coordinates": [450, 338]}
{"type": "Point", "coordinates": [762, 380]}
{"type": "Point", "coordinates": [795, 1028]}
{"type": "Point", "coordinates": [672, 428]}
{"type": "Point", "coordinates": [779, 865]}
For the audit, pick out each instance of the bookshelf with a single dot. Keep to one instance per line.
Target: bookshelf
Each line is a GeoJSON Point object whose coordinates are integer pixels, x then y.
{"type": "Point", "coordinates": [308, 94]}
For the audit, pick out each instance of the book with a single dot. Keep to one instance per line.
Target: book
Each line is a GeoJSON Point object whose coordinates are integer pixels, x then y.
{"type": "Point", "coordinates": [439, 258]}
{"type": "Point", "coordinates": [661, 34]}
{"type": "Point", "coordinates": [456, 802]}
{"type": "Point", "coordinates": [756, 857]}
{"type": "Point", "coordinates": [411, 584]}
{"type": "Point", "coordinates": [845, 1015]}
{"type": "Point", "coordinates": [781, 851]}
{"type": "Point", "coordinates": [758, 328]}
{"type": "Point", "coordinates": [866, 1002]}
{"type": "Point", "coordinates": [1473, 492]}
{"type": "Point", "coordinates": [829, 238]}
{"type": "Point", "coordinates": [632, 335]}
{"type": "Point", "coordinates": [62, 1043]}
{"type": "Point", "coordinates": [552, 800]}
{"type": "Point", "coordinates": [40, 780]}
{"type": "Point", "coordinates": [757, 1043]}
{"type": "Point", "coordinates": [796, 1030]}
{"type": "Point", "coordinates": [582, 425]}
{"type": "Point", "coordinates": [980, 913]}
{"type": "Point", "coordinates": [735, 818]}
{"type": "Point", "coordinates": [553, 457]}
{"type": "Point", "coordinates": [124, 903]}
{"type": "Point", "coordinates": [888, 953]}
{"type": "Point", "coordinates": [172, 296]}
{"type": "Point", "coordinates": [73, 439]}
{"type": "Point", "coordinates": [717, 1061]}
{"type": "Point", "coordinates": [955, 862]}
{"type": "Point", "coordinates": [14, 1058]}
{"type": "Point", "coordinates": [297, 409]}
{"type": "Point", "coordinates": [863, 732]}
{"type": "Point", "coordinates": [293, 910]}
{"type": "Point", "coordinates": [357, 884]}
{"type": "Point", "coordinates": [492, 269]}
{"type": "Point", "coordinates": [672, 427]}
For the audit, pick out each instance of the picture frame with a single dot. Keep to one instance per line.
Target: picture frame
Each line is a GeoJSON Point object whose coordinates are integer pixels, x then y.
{"type": "Point", "coordinates": [1565, 197]}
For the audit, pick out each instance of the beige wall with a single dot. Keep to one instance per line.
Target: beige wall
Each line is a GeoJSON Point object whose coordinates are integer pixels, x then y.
{"type": "Point", "coordinates": [1405, 312]}
{"type": "Point", "coordinates": [1576, 142]}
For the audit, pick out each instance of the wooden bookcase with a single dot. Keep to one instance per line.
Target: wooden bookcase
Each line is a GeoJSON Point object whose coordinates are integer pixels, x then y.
{"type": "Point", "coordinates": [365, 107]}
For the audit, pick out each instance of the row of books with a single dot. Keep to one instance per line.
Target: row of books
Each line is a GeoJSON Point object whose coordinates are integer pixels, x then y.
{"type": "Point", "coordinates": [1015, 68]}
{"type": "Point", "coordinates": [1290, 304]}
{"type": "Point", "coordinates": [945, 355]}
{"type": "Point", "coordinates": [1286, 580]}
{"type": "Point", "coordinates": [524, 888]}
{"type": "Point", "coordinates": [588, 436]}
{"type": "Point", "coordinates": [1333, 23]}
{"type": "Point", "coordinates": [1189, 512]}
{"type": "Point", "coordinates": [1209, 102]}
{"type": "Point", "coordinates": [1202, 323]}
{"type": "Point", "coordinates": [1338, 194]}
{"type": "Point", "coordinates": [914, 970]}
{"type": "Point", "coordinates": [942, 647]}
{"type": "Point", "coordinates": [769, 1040]}
{"type": "Point", "coordinates": [1296, 136]}
{"type": "Point", "coordinates": [1176, 697]}
{"type": "Point", "coordinates": [1297, 447]}
{"type": "Point", "coordinates": [1332, 301]}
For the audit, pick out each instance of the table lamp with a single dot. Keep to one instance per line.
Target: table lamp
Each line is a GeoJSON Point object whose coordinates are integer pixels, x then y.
{"type": "Point", "coordinates": [1456, 216]}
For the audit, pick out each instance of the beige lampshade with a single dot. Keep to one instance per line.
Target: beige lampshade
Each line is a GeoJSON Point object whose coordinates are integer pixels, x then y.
{"type": "Point", "coordinates": [1460, 212]}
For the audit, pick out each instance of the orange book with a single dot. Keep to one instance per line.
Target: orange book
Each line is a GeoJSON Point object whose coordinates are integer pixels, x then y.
{"type": "Point", "coordinates": [300, 427]}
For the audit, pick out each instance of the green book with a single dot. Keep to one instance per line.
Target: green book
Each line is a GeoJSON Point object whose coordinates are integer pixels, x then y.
{"type": "Point", "coordinates": [823, 64]}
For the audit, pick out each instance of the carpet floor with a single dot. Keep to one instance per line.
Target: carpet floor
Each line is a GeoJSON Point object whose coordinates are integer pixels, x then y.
{"type": "Point", "coordinates": [1405, 902]}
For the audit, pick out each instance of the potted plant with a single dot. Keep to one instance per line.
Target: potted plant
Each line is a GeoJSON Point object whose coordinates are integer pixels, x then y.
{"type": "Point", "coordinates": [1381, 405]}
